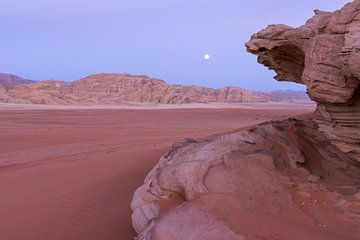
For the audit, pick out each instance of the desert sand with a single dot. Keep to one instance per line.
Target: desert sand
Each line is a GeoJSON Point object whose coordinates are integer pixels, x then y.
{"type": "Point", "coordinates": [70, 173]}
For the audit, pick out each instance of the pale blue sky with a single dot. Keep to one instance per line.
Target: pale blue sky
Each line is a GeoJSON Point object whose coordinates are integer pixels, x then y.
{"type": "Point", "coordinates": [69, 39]}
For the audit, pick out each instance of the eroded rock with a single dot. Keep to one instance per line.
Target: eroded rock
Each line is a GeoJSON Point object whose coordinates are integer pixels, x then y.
{"type": "Point", "coordinates": [124, 88]}
{"type": "Point", "coordinates": [324, 54]}
{"type": "Point", "coordinates": [281, 179]}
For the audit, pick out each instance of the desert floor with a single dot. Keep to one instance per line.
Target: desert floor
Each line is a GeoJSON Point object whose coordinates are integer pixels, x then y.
{"type": "Point", "coordinates": [69, 173]}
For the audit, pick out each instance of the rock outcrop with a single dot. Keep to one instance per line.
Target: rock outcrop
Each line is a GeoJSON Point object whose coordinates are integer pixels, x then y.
{"type": "Point", "coordinates": [324, 54]}
{"type": "Point", "coordinates": [122, 88]}
{"type": "Point", "coordinates": [43, 92]}
{"type": "Point", "coordinates": [279, 180]}
{"type": "Point", "coordinates": [294, 179]}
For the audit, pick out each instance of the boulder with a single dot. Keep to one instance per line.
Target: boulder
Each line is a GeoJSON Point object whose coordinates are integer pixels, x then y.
{"type": "Point", "coordinates": [278, 180]}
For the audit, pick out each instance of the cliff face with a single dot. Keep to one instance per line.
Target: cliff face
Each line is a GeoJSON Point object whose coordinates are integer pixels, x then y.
{"type": "Point", "coordinates": [324, 54]}
{"type": "Point", "coordinates": [120, 88]}
{"type": "Point", "coordinates": [294, 179]}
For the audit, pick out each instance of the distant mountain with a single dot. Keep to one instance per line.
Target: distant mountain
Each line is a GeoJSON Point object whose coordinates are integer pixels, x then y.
{"type": "Point", "coordinates": [120, 88]}
{"type": "Point", "coordinates": [289, 96]}
{"type": "Point", "coordinates": [289, 91]}
{"type": "Point", "coordinates": [9, 81]}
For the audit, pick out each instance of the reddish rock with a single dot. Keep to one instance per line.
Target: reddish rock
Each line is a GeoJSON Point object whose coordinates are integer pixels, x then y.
{"type": "Point", "coordinates": [294, 179]}
{"type": "Point", "coordinates": [280, 179]}
{"type": "Point", "coordinates": [323, 54]}
{"type": "Point", "coordinates": [121, 88]}
{"type": "Point", "coordinates": [235, 94]}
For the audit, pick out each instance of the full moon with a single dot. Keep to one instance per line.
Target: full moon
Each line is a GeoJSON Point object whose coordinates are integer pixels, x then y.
{"type": "Point", "coordinates": [207, 56]}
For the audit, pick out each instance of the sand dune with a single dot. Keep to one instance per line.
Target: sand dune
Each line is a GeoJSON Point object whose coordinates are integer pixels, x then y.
{"type": "Point", "coordinates": [70, 174]}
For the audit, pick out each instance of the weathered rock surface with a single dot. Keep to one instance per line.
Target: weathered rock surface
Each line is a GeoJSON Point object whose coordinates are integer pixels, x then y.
{"type": "Point", "coordinates": [279, 180]}
{"type": "Point", "coordinates": [324, 54]}
{"type": "Point", "coordinates": [9, 81]}
{"type": "Point", "coordinates": [120, 88]}
{"type": "Point", "coordinates": [295, 179]}
{"type": "Point", "coordinates": [43, 92]}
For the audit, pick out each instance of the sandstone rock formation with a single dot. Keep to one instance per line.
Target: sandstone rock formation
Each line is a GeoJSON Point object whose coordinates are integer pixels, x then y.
{"type": "Point", "coordinates": [279, 180]}
{"type": "Point", "coordinates": [43, 92]}
{"type": "Point", "coordinates": [3, 95]}
{"type": "Point", "coordinates": [9, 81]}
{"type": "Point", "coordinates": [324, 54]}
{"type": "Point", "coordinates": [121, 88]}
{"type": "Point", "coordinates": [294, 179]}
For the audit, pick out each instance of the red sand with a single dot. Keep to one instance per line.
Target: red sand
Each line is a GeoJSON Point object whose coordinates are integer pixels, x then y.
{"type": "Point", "coordinates": [70, 174]}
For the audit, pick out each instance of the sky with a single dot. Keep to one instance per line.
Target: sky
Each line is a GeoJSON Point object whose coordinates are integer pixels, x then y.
{"type": "Point", "coordinates": [166, 39]}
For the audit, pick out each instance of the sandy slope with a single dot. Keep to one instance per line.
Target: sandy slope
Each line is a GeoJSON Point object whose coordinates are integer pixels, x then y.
{"type": "Point", "coordinates": [70, 174]}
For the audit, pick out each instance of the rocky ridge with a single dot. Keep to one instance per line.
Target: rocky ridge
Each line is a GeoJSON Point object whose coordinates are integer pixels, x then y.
{"type": "Point", "coordinates": [122, 88]}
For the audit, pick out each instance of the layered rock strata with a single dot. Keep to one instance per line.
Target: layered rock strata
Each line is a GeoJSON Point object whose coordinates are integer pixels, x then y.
{"type": "Point", "coordinates": [324, 54]}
